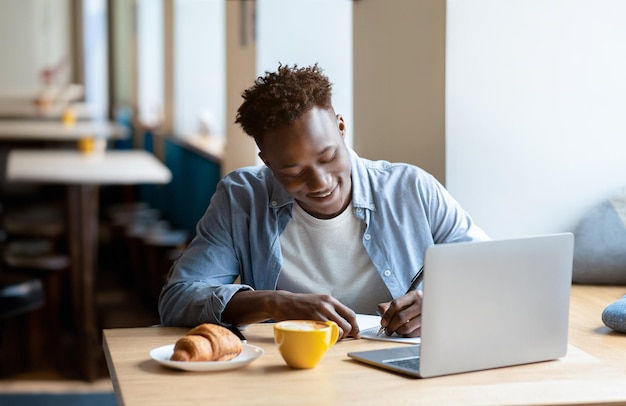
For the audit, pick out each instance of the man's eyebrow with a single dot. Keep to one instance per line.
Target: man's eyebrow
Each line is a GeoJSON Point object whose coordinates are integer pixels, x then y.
{"type": "Point", "coordinates": [293, 165]}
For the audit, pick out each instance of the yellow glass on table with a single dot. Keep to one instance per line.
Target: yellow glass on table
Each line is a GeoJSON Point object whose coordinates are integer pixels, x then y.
{"type": "Point", "coordinates": [69, 117]}
{"type": "Point", "coordinates": [90, 145]}
{"type": "Point", "coordinates": [303, 343]}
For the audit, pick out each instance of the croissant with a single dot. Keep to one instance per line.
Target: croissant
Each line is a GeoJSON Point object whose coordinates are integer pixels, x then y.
{"type": "Point", "coordinates": [207, 342]}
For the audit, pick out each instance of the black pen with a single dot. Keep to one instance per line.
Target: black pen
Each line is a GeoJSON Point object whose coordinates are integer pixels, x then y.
{"type": "Point", "coordinates": [414, 284]}
{"type": "Point", "coordinates": [238, 333]}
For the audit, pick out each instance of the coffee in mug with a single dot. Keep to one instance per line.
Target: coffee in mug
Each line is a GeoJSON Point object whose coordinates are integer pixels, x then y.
{"type": "Point", "coordinates": [303, 343]}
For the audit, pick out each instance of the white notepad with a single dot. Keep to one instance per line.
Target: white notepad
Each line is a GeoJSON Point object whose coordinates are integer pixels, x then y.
{"type": "Point", "coordinates": [369, 325]}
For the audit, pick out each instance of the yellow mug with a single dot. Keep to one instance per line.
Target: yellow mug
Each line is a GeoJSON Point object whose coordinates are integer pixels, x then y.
{"type": "Point", "coordinates": [303, 343]}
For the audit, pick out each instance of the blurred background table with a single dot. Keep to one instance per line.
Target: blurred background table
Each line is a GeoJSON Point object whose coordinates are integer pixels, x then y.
{"type": "Point", "coordinates": [83, 175]}
{"type": "Point", "coordinates": [26, 109]}
{"type": "Point", "coordinates": [20, 130]}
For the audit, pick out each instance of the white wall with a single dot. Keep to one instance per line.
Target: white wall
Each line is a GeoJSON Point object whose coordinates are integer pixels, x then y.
{"type": "Point", "coordinates": [535, 110]}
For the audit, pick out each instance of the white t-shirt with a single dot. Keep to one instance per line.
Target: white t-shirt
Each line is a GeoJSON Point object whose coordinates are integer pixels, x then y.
{"type": "Point", "coordinates": [327, 257]}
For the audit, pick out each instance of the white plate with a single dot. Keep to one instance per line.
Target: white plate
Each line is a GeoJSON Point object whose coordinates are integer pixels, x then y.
{"type": "Point", "coordinates": [248, 354]}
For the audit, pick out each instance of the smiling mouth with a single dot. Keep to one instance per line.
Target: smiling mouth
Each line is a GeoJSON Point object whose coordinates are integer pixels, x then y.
{"type": "Point", "coordinates": [325, 195]}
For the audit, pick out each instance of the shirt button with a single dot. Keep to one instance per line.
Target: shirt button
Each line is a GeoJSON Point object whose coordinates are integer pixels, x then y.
{"type": "Point", "coordinates": [358, 210]}
{"type": "Point", "coordinates": [367, 237]}
{"type": "Point", "coordinates": [387, 272]}
{"type": "Point", "coordinates": [274, 203]}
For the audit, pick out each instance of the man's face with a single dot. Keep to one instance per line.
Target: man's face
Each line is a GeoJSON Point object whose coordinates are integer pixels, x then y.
{"type": "Point", "coordinates": [310, 159]}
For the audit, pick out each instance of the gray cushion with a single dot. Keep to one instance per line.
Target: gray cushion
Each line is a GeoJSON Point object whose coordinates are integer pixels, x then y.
{"type": "Point", "coordinates": [600, 244]}
{"type": "Point", "coordinates": [614, 316]}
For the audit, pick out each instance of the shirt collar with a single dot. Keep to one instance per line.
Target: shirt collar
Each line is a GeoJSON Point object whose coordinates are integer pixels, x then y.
{"type": "Point", "coordinates": [278, 196]}
{"type": "Point", "coordinates": [362, 196]}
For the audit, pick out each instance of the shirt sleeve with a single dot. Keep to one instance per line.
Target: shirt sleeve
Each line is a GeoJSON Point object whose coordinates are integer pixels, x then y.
{"type": "Point", "coordinates": [449, 221]}
{"type": "Point", "coordinates": [201, 281]}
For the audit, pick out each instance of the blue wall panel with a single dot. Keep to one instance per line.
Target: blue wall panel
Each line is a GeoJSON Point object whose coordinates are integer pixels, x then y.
{"type": "Point", "coordinates": [194, 179]}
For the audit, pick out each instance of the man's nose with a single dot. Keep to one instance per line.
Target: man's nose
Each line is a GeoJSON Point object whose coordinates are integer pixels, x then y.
{"type": "Point", "coordinates": [318, 181]}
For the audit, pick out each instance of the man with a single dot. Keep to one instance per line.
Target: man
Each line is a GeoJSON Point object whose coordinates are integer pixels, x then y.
{"type": "Point", "coordinates": [315, 233]}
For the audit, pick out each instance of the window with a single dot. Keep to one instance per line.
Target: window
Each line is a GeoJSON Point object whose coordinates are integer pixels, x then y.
{"type": "Point", "coordinates": [199, 67]}
{"type": "Point", "coordinates": [95, 52]}
{"type": "Point", "coordinates": [150, 77]}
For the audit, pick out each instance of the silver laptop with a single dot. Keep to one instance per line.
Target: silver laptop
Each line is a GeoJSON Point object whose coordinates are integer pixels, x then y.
{"type": "Point", "coordinates": [487, 305]}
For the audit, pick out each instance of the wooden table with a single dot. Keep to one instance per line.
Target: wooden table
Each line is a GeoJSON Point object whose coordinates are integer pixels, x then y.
{"type": "Point", "coordinates": [577, 378]}
{"type": "Point", "coordinates": [33, 130]}
{"type": "Point", "coordinates": [27, 109]}
{"type": "Point", "coordinates": [83, 174]}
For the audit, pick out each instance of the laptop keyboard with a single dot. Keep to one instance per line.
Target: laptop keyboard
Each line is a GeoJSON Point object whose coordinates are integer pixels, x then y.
{"type": "Point", "coordinates": [411, 363]}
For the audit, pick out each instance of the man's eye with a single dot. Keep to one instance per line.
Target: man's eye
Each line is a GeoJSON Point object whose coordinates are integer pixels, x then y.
{"type": "Point", "coordinates": [295, 175]}
{"type": "Point", "coordinates": [329, 160]}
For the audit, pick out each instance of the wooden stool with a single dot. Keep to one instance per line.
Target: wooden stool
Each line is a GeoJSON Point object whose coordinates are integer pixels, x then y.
{"type": "Point", "coordinates": [122, 218]}
{"type": "Point", "coordinates": [135, 234]}
{"type": "Point", "coordinates": [37, 258]}
{"type": "Point", "coordinates": [20, 341]}
{"type": "Point", "coordinates": [162, 249]}
{"type": "Point", "coordinates": [19, 294]}
{"type": "Point", "coordinates": [45, 220]}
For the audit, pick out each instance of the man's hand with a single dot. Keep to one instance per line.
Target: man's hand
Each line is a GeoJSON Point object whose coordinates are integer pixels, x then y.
{"type": "Point", "coordinates": [310, 306]}
{"type": "Point", "coordinates": [253, 306]}
{"type": "Point", "coordinates": [403, 315]}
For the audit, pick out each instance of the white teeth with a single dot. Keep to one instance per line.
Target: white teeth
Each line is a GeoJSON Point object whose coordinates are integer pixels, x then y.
{"type": "Point", "coordinates": [324, 195]}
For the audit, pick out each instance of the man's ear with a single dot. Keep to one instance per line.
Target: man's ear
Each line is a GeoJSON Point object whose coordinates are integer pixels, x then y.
{"type": "Point", "coordinates": [341, 125]}
{"type": "Point", "coordinates": [264, 161]}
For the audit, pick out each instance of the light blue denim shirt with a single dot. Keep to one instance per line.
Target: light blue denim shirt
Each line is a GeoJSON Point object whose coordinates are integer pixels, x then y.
{"type": "Point", "coordinates": [404, 208]}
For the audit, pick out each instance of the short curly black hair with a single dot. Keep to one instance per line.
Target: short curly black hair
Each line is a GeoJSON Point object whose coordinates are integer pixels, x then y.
{"type": "Point", "coordinates": [280, 98]}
